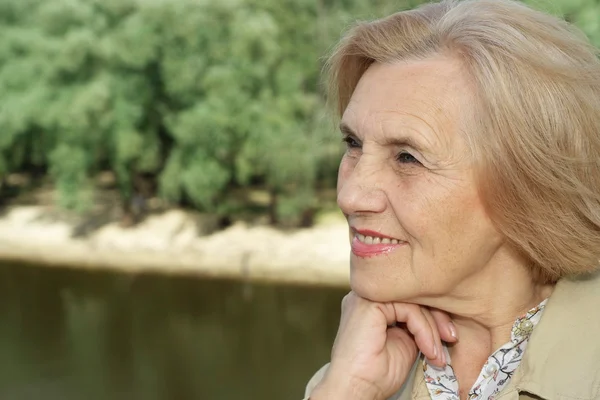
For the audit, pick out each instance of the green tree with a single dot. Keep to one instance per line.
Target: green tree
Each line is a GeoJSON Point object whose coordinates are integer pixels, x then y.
{"type": "Point", "coordinates": [188, 100]}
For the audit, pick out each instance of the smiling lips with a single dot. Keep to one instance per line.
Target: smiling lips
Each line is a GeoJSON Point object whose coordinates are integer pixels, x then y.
{"type": "Point", "coordinates": [370, 244]}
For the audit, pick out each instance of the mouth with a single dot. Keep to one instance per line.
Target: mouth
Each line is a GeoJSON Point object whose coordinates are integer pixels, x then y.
{"type": "Point", "coordinates": [367, 243]}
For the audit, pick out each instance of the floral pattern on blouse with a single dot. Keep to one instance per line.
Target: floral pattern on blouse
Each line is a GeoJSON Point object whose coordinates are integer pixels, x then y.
{"type": "Point", "coordinates": [497, 370]}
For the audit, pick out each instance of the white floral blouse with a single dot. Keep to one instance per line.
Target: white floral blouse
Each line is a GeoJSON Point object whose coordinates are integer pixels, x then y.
{"type": "Point", "coordinates": [497, 370]}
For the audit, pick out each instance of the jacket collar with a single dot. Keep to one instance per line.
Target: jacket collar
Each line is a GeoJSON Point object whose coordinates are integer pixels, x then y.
{"type": "Point", "coordinates": [562, 360]}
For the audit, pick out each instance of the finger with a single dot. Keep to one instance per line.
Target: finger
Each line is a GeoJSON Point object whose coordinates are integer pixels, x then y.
{"type": "Point", "coordinates": [403, 340]}
{"type": "Point", "coordinates": [417, 325]}
{"type": "Point", "coordinates": [440, 360]}
{"type": "Point", "coordinates": [445, 326]}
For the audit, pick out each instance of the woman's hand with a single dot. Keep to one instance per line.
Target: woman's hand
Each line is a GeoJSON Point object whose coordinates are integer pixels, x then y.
{"type": "Point", "coordinates": [376, 346]}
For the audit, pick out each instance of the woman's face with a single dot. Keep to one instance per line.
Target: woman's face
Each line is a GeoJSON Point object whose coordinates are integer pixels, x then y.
{"type": "Point", "coordinates": [406, 181]}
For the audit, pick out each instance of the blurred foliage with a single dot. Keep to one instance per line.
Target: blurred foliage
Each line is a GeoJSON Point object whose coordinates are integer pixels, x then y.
{"type": "Point", "coordinates": [199, 98]}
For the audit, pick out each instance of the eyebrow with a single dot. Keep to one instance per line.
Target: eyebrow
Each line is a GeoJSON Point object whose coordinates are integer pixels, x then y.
{"type": "Point", "coordinates": [345, 129]}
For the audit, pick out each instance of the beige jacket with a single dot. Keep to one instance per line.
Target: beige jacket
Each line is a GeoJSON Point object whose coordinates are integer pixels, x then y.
{"type": "Point", "coordinates": [562, 360]}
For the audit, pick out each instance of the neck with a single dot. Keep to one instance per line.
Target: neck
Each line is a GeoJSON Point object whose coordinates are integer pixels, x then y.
{"type": "Point", "coordinates": [489, 301]}
{"type": "Point", "coordinates": [489, 311]}
{"type": "Point", "coordinates": [484, 328]}
{"type": "Point", "coordinates": [484, 308]}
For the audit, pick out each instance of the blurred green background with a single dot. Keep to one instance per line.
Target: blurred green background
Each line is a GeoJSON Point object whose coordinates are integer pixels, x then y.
{"type": "Point", "coordinates": [128, 107]}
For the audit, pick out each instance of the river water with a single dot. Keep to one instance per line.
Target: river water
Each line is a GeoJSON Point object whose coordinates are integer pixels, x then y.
{"type": "Point", "coordinates": [73, 335]}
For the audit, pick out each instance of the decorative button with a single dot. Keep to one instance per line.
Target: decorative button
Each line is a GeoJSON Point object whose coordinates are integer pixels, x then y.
{"type": "Point", "coordinates": [491, 369]}
{"type": "Point", "coordinates": [526, 326]}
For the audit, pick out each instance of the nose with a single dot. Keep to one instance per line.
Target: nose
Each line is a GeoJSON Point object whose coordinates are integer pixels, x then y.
{"type": "Point", "coordinates": [361, 189]}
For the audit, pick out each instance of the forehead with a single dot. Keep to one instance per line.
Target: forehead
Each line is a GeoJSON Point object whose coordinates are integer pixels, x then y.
{"type": "Point", "coordinates": [427, 97]}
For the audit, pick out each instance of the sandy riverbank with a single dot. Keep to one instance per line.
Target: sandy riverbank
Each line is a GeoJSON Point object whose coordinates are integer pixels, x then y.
{"type": "Point", "coordinates": [169, 243]}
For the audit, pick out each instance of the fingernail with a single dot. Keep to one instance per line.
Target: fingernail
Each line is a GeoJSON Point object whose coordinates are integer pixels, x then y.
{"type": "Point", "coordinates": [453, 330]}
{"type": "Point", "coordinates": [443, 356]}
{"type": "Point", "coordinates": [435, 352]}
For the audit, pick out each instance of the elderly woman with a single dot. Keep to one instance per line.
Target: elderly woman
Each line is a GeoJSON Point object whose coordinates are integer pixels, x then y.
{"type": "Point", "coordinates": [471, 186]}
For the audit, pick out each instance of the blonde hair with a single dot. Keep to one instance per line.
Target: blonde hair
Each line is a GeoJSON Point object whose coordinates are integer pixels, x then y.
{"type": "Point", "coordinates": [536, 138]}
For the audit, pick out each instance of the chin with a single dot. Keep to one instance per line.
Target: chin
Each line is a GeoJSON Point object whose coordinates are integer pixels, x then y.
{"type": "Point", "coordinates": [377, 282]}
{"type": "Point", "coordinates": [376, 288]}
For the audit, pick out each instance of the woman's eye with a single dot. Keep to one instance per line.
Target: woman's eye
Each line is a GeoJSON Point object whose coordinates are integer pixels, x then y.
{"type": "Point", "coordinates": [406, 158]}
{"type": "Point", "coordinates": [351, 143]}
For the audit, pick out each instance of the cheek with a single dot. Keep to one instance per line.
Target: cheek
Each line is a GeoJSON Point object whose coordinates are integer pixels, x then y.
{"type": "Point", "coordinates": [438, 213]}
{"type": "Point", "coordinates": [415, 203]}
{"type": "Point", "coordinates": [457, 235]}
{"type": "Point", "coordinates": [464, 214]}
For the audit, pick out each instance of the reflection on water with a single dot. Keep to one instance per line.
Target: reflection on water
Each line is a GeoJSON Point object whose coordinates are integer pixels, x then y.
{"type": "Point", "coordinates": [74, 335]}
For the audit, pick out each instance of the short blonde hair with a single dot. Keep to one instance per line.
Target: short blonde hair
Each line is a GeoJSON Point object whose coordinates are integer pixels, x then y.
{"type": "Point", "coordinates": [536, 138]}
